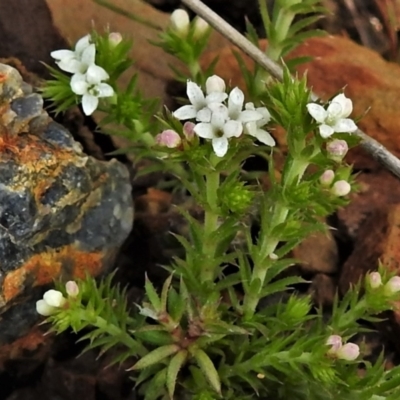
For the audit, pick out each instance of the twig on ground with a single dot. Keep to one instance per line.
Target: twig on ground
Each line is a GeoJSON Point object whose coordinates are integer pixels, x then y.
{"type": "Point", "coordinates": [373, 147]}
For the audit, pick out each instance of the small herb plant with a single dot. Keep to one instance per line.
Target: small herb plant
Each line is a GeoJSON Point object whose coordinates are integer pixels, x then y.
{"type": "Point", "coordinates": [228, 323]}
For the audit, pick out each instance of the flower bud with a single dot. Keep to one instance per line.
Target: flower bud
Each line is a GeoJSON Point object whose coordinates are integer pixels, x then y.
{"type": "Point", "coordinates": [348, 352]}
{"type": "Point", "coordinates": [180, 22]}
{"type": "Point", "coordinates": [335, 341]}
{"type": "Point", "coordinates": [168, 138]}
{"type": "Point", "coordinates": [337, 149]}
{"type": "Point", "coordinates": [188, 130]}
{"type": "Point", "coordinates": [215, 84]}
{"type": "Point", "coordinates": [200, 28]}
{"type": "Point", "coordinates": [54, 298]}
{"type": "Point", "coordinates": [341, 188]}
{"type": "Point", "coordinates": [375, 280]}
{"type": "Point", "coordinates": [115, 38]}
{"type": "Point", "coordinates": [72, 288]}
{"type": "Point", "coordinates": [327, 177]}
{"type": "Point", "coordinates": [44, 309]}
{"type": "Point", "coordinates": [392, 285]}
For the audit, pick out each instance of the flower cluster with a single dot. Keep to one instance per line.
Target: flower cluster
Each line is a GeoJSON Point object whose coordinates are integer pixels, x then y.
{"type": "Point", "coordinates": [348, 351]}
{"type": "Point", "coordinates": [220, 116]}
{"type": "Point", "coordinates": [334, 118]}
{"type": "Point", "coordinates": [340, 188]}
{"type": "Point", "coordinates": [391, 287]}
{"type": "Point", "coordinates": [88, 78]}
{"type": "Point", "coordinates": [54, 299]}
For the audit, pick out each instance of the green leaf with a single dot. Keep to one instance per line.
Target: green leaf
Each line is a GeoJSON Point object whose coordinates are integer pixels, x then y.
{"type": "Point", "coordinates": [208, 369]}
{"type": "Point", "coordinates": [164, 293]}
{"type": "Point", "coordinates": [152, 295]}
{"type": "Point", "coordinates": [155, 356]}
{"type": "Point", "coordinates": [173, 369]}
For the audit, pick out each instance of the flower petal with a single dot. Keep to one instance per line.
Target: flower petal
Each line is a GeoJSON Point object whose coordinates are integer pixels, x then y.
{"type": "Point", "coordinates": [96, 74]}
{"type": "Point", "coordinates": [334, 111]}
{"type": "Point", "coordinates": [265, 137]}
{"type": "Point", "coordinates": [204, 130]}
{"type": "Point", "coordinates": [195, 95]}
{"type": "Point", "coordinates": [249, 115]}
{"type": "Point", "coordinates": [54, 298]}
{"type": "Point", "coordinates": [78, 84]}
{"type": "Point", "coordinates": [235, 103]}
{"type": "Point", "coordinates": [89, 103]}
{"type": "Point", "coordinates": [220, 146]}
{"type": "Point", "coordinates": [88, 55]}
{"type": "Point", "coordinates": [204, 115]}
{"type": "Point", "coordinates": [325, 131]}
{"type": "Point", "coordinates": [345, 125]}
{"type": "Point", "coordinates": [62, 54]}
{"type": "Point", "coordinates": [82, 44]}
{"type": "Point", "coordinates": [345, 103]}
{"type": "Point", "coordinates": [71, 65]}
{"type": "Point", "coordinates": [215, 84]}
{"type": "Point", "coordinates": [216, 97]}
{"type": "Point", "coordinates": [317, 112]}
{"type": "Point", "coordinates": [105, 90]}
{"type": "Point", "coordinates": [232, 128]}
{"type": "Point", "coordinates": [44, 309]}
{"type": "Point", "coordinates": [185, 112]}
{"type": "Point", "coordinates": [218, 119]}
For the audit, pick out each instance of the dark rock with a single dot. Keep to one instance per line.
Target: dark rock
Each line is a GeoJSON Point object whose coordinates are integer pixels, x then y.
{"type": "Point", "coordinates": [62, 214]}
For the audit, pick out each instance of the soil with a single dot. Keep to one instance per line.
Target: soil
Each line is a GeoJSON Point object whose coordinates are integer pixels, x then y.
{"type": "Point", "coordinates": [55, 372]}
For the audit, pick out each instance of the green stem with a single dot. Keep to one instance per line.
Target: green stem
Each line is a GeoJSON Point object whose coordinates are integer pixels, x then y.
{"type": "Point", "coordinates": [210, 226]}
{"type": "Point", "coordinates": [113, 331]}
{"type": "Point", "coordinates": [282, 26]}
{"type": "Point", "coordinates": [269, 243]}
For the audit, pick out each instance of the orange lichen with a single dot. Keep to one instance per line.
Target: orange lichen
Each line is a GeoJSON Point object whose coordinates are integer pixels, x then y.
{"type": "Point", "coordinates": [48, 266]}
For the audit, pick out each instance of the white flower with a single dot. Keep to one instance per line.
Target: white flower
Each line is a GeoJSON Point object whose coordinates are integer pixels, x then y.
{"type": "Point", "coordinates": [44, 309]}
{"type": "Point", "coordinates": [200, 28]}
{"type": "Point", "coordinates": [253, 128]}
{"type": "Point", "coordinates": [219, 130]}
{"type": "Point", "coordinates": [52, 300]}
{"type": "Point", "coordinates": [334, 118]}
{"type": "Point", "coordinates": [79, 60]}
{"type": "Point", "coordinates": [199, 103]}
{"type": "Point", "coordinates": [180, 21]}
{"type": "Point", "coordinates": [91, 87]}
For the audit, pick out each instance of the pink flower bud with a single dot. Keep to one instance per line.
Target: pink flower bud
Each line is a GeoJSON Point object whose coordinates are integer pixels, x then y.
{"type": "Point", "coordinates": [215, 84]}
{"type": "Point", "coordinates": [348, 352]}
{"type": "Point", "coordinates": [115, 38]}
{"type": "Point", "coordinates": [188, 130]}
{"type": "Point", "coordinates": [341, 188]}
{"type": "Point", "coordinates": [335, 341]}
{"type": "Point", "coordinates": [168, 138]}
{"type": "Point", "coordinates": [327, 177]}
{"type": "Point", "coordinates": [375, 280]}
{"type": "Point", "coordinates": [180, 22]}
{"type": "Point", "coordinates": [72, 288]}
{"type": "Point", "coordinates": [337, 149]}
{"type": "Point", "coordinates": [200, 28]}
{"type": "Point", "coordinates": [392, 285]}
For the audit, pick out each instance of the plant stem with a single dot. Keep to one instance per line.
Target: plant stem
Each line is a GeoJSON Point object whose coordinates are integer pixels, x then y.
{"type": "Point", "coordinates": [268, 243]}
{"type": "Point", "coordinates": [210, 226]}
